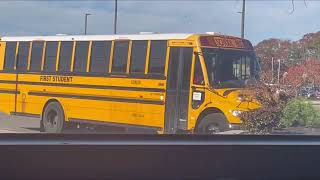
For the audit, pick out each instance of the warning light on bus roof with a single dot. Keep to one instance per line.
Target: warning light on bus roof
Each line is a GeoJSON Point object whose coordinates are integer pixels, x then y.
{"type": "Point", "coordinates": [225, 42]}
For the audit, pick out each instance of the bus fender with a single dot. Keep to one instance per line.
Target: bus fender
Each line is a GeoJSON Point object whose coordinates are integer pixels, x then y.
{"type": "Point", "coordinates": [207, 111]}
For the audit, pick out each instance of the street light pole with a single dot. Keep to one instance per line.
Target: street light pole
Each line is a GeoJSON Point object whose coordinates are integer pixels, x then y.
{"type": "Point", "coordinates": [86, 22]}
{"type": "Point", "coordinates": [115, 17]}
{"type": "Point", "coordinates": [243, 13]}
{"type": "Point", "coordinates": [279, 66]}
{"type": "Point", "coordinates": [272, 70]}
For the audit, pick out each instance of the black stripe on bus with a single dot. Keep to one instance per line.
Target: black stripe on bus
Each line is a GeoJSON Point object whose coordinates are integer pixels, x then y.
{"type": "Point", "coordinates": [86, 86]}
{"type": "Point", "coordinates": [127, 76]}
{"type": "Point", "coordinates": [100, 98]}
{"type": "Point", "coordinates": [113, 124]}
{"type": "Point", "coordinates": [9, 91]}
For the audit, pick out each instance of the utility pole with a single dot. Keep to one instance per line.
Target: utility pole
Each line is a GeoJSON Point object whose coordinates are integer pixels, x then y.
{"type": "Point", "coordinates": [115, 16]}
{"type": "Point", "coordinates": [243, 13]}
{"type": "Point", "coordinates": [86, 22]}
{"type": "Point", "coordinates": [272, 70]}
{"type": "Point", "coordinates": [279, 66]}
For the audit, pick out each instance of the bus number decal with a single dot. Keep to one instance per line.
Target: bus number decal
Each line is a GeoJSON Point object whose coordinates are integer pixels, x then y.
{"type": "Point", "coordinates": [135, 82]}
{"type": "Point", "coordinates": [63, 79]}
{"type": "Point", "coordinates": [138, 115]}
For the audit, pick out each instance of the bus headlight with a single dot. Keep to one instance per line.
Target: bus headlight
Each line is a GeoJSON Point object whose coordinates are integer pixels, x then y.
{"type": "Point", "coordinates": [235, 113]}
{"type": "Point", "coordinates": [242, 98]}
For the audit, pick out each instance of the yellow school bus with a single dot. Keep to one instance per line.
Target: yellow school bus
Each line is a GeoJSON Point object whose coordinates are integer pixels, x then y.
{"type": "Point", "coordinates": [168, 83]}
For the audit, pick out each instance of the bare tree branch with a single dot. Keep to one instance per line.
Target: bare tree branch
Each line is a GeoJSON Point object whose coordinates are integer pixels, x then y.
{"type": "Point", "coordinates": [305, 3]}
{"type": "Point", "coordinates": [292, 1]}
{"type": "Point", "coordinates": [293, 7]}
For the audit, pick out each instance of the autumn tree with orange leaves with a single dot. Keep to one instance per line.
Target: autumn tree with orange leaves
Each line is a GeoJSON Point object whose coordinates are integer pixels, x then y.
{"type": "Point", "coordinates": [298, 59]}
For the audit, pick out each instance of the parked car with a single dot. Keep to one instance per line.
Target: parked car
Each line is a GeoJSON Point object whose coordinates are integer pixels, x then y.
{"type": "Point", "coordinates": [307, 91]}
{"type": "Point", "coordinates": [317, 93]}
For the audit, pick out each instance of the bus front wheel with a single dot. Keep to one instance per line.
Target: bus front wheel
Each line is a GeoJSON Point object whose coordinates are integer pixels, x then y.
{"type": "Point", "coordinates": [212, 124]}
{"type": "Point", "coordinates": [53, 118]}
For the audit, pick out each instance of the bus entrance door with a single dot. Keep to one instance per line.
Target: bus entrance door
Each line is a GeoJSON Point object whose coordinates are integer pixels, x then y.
{"type": "Point", "coordinates": [178, 89]}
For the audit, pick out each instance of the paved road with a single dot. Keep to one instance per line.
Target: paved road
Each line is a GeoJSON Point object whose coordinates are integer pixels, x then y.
{"type": "Point", "coordinates": [16, 124]}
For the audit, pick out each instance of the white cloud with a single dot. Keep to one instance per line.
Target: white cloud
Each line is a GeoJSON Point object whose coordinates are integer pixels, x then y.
{"type": "Point", "coordinates": [266, 20]}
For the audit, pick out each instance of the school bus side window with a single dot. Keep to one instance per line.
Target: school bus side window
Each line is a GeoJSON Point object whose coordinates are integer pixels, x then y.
{"type": "Point", "coordinates": [50, 57]}
{"type": "Point", "coordinates": [138, 56]}
{"type": "Point", "coordinates": [22, 58]}
{"type": "Point", "coordinates": [100, 53]}
{"type": "Point", "coordinates": [120, 57]}
{"type": "Point", "coordinates": [65, 56]}
{"type": "Point", "coordinates": [198, 78]}
{"type": "Point", "coordinates": [10, 56]}
{"type": "Point", "coordinates": [36, 56]}
{"type": "Point", "coordinates": [157, 60]}
{"type": "Point", "coordinates": [81, 56]}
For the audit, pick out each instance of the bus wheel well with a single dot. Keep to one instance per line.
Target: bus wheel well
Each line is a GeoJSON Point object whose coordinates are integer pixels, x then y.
{"type": "Point", "coordinates": [205, 113]}
{"type": "Point", "coordinates": [49, 101]}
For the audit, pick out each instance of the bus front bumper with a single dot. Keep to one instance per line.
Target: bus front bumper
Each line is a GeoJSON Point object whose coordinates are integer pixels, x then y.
{"type": "Point", "coordinates": [234, 126]}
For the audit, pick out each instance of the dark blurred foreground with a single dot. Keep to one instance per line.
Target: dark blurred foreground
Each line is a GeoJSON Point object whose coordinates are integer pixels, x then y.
{"type": "Point", "coordinates": [101, 156]}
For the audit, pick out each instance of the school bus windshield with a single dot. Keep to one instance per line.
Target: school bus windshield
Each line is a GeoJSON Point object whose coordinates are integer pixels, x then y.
{"type": "Point", "coordinates": [229, 68]}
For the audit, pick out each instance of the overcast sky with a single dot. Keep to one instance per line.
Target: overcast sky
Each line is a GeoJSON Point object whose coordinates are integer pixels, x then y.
{"type": "Point", "coordinates": [264, 19]}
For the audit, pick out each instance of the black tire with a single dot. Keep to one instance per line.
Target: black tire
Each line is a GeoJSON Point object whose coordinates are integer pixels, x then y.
{"type": "Point", "coordinates": [41, 126]}
{"type": "Point", "coordinates": [212, 124]}
{"type": "Point", "coordinates": [53, 118]}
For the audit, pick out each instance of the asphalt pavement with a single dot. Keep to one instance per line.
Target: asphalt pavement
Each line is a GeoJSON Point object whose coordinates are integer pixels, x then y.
{"type": "Point", "coordinates": [17, 124]}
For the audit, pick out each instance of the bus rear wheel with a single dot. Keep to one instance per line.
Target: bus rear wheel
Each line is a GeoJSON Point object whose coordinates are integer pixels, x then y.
{"type": "Point", "coordinates": [53, 118]}
{"type": "Point", "coordinates": [212, 124]}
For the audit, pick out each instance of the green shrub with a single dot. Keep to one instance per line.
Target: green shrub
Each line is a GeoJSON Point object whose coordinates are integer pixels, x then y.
{"type": "Point", "coordinates": [300, 112]}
